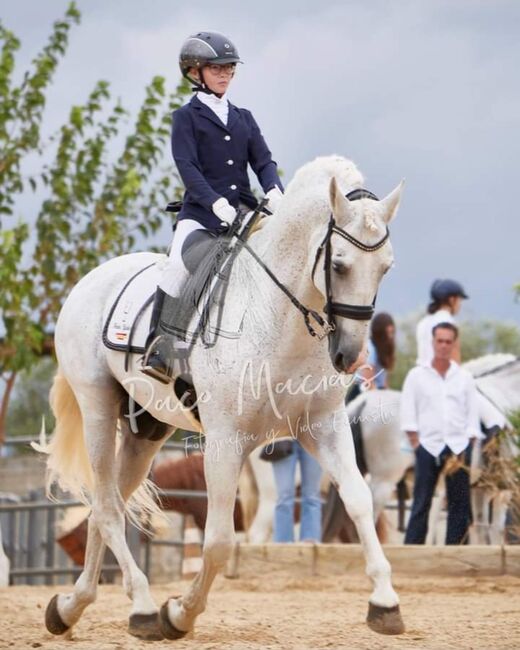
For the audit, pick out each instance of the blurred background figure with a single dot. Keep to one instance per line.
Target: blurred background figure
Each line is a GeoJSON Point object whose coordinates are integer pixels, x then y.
{"type": "Point", "coordinates": [380, 360]}
{"type": "Point", "coordinates": [381, 352]}
{"type": "Point", "coordinates": [284, 476]}
{"type": "Point", "coordinates": [446, 299]}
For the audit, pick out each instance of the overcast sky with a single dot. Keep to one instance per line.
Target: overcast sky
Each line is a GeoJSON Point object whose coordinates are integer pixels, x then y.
{"type": "Point", "coordinates": [424, 89]}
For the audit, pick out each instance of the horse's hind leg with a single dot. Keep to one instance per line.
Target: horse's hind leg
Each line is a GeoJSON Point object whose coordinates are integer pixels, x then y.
{"type": "Point", "coordinates": [134, 461]}
{"type": "Point", "coordinates": [106, 523]}
{"type": "Point", "coordinates": [64, 610]}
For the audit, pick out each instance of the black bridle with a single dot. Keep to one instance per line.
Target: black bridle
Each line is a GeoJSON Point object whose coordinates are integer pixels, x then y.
{"type": "Point", "coordinates": [331, 308]}
{"type": "Point", "coordinates": [344, 310]}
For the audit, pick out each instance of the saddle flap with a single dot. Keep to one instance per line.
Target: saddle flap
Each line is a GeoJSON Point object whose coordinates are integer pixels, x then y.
{"type": "Point", "coordinates": [128, 318]}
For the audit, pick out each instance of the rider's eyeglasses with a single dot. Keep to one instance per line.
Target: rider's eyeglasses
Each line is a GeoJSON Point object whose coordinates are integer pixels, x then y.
{"type": "Point", "coordinates": [226, 68]}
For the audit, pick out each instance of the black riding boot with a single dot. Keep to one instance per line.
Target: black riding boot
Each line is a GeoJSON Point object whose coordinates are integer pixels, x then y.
{"type": "Point", "coordinates": [156, 361]}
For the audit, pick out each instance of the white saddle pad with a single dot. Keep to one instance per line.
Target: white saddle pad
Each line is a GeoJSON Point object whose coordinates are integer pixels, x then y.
{"type": "Point", "coordinates": [128, 321]}
{"type": "Point", "coordinates": [129, 318]}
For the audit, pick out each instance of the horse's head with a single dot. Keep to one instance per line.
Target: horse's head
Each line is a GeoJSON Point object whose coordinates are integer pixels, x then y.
{"type": "Point", "coordinates": [359, 254]}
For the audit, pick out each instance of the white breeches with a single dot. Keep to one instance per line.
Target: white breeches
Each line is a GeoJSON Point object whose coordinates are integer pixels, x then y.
{"type": "Point", "coordinates": [175, 273]}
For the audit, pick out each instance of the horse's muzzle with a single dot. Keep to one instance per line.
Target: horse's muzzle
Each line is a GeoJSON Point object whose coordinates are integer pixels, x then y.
{"type": "Point", "coordinates": [347, 359]}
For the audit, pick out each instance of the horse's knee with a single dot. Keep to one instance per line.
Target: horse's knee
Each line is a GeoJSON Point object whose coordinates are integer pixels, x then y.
{"type": "Point", "coordinates": [357, 499]}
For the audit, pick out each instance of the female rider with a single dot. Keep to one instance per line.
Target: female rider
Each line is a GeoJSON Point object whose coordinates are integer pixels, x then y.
{"type": "Point", "coordinates": [213, 142]}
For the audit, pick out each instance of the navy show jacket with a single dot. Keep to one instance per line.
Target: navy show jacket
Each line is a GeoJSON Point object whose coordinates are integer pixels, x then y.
{"type": "Point", "coordinates": [212, 159]}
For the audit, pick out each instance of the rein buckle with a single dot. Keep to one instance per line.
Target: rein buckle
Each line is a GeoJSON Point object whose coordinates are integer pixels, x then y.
{"type": "Point", "coordinates": [327, 329]}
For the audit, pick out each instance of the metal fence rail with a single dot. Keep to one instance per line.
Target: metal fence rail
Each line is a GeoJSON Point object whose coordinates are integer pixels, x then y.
{"type": "Point", "coordinates": [29, 531]}
{"type": "Point", "coordinates": [28, 528]}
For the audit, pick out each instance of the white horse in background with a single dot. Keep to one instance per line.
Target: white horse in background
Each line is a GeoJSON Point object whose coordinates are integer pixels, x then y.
{"type": "Point", "coordinates": [273, 379]}
{"type": "Point", "coordinates": [4, 564]}
{"type": "Point", "coordinates": [388, 454]}
{"type": "Point", "coordinates": [498, 379]}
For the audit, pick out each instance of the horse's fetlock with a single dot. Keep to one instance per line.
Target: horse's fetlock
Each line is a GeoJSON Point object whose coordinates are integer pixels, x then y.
{"type": "Point", "coordinates": [379, 570]}
{"type": "Point", "coordinates": [87, 595]}
{"type": "Point", "coordinates": [85, 592]}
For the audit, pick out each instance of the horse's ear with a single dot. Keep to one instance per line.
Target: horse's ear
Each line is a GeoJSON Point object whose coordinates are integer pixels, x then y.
{"type": "Point", "coordinates": [390, 203]}
{"type": "Point", "coordinates": [340, 205]}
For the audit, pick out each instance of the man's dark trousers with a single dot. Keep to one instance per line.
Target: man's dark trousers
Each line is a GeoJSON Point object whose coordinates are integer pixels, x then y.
{"type": "Point", "coordinates": [427, 470]}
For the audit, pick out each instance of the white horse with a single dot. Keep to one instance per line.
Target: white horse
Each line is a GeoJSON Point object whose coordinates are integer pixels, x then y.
{"type": "Point", "coordinates": [4, 564]}
{"type": "Point", "coordinates": [273, 379]}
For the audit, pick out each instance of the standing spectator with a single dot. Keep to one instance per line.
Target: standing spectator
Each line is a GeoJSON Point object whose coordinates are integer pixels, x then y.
{"type": "Point", "coordinates": [439, 414]}
{"type": "Point", "coordinates": [381, 352]}
{"type": "Point", "coordinates": [446, 298]}
{"type": "Point", "coordinates": [284, 470]}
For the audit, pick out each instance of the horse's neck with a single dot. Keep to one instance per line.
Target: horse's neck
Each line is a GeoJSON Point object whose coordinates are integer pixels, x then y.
{"type": "Point", "coordinates": [283, 246]}
{"type": "Point", "coordinates": [284, 243]}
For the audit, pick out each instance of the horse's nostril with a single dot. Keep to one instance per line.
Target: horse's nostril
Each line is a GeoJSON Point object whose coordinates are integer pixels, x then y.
{"type": "Point", "coordinates": [339, 361]}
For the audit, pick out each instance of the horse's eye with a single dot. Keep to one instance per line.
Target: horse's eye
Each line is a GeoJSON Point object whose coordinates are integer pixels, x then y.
{"type": "Point", "coordinates": [340, 268]}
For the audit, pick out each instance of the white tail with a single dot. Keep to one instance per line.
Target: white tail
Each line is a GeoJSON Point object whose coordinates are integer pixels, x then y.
{"type": "Point", "coordinates": [68, 463]}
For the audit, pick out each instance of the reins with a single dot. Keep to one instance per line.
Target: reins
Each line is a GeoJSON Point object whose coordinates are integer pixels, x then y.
{"type": "Point", "coordinates": [305, 311]}
{"type": "Point", "coordinates": [331, 308]}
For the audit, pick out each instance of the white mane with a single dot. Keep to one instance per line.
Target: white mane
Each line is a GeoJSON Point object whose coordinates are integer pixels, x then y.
{"type": "Point", "coordinates": [322, 169]}
{"type": "Point", "coordinates": [488, 362]}
{"type": "Point", "coordinates": [316, 175]}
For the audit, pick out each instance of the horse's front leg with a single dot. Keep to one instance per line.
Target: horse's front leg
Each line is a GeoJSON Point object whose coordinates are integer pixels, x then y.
{"type": "Point", "coordinates": [222, 464]}
{"type": "Point", "coordinates": [332, 445]}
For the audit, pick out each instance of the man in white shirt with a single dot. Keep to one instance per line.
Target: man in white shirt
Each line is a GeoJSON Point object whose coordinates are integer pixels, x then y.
{"type": "Point", "coordinates": [439, 413]}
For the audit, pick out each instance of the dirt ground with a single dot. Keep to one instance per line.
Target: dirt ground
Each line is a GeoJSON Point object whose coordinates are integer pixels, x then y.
{"type": "Point", "coordinates": [283, 610]}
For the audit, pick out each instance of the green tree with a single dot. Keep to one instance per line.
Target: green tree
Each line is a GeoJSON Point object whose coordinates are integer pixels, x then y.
{"type": "Point", "coordinates": [93, 205]}
{"type": "Point", "coordinates": [30, 401]}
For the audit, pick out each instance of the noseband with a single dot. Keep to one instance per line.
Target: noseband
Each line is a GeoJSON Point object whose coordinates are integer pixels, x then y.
{"type": "Point", "coordinates": [331, 308]}
{"type": "Point", "coordinates": [341, 309]}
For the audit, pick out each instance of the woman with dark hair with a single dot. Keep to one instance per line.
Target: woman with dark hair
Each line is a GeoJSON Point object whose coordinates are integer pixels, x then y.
{"type": "Point", "coordinates": [381, 352]}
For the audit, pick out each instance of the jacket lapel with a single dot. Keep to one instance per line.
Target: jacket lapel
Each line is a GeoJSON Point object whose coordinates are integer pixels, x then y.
{"type": "Point", "coordinates": [233, 116]}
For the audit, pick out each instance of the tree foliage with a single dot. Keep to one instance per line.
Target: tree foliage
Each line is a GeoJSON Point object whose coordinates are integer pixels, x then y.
{"type": "Point", "coordinates": [30, 401]}
{"type": "Point", "coordinates": [89, 204]}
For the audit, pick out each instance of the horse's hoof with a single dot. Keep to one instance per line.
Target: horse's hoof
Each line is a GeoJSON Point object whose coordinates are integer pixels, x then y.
{"type": "Point", "coordinates": [385, 620]}
{"type": "Point", "coordinates": [169, 631]}
{"type": "Point", "coordinates": [53, 621]}
{"type": "Point", "coordinates": [145, 626]}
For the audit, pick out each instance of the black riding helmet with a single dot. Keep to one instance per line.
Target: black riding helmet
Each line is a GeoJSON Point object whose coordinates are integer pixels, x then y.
{"type": "Point", "coordinates": [206, 48]}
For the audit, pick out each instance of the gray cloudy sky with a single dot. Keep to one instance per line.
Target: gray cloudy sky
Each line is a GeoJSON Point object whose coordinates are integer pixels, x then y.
{"type": "Point", "coordinates": [427, 90]}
